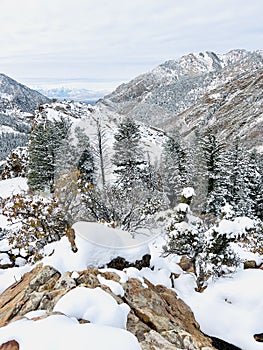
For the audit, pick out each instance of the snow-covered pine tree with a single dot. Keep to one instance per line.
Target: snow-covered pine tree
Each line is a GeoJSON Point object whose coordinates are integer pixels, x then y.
{"type": "Point", "coordinates": [254, 184]}
{"type": "Point", "coordinates": [238, 188]}
{"type": "Point", "coordinates": [86, 165]}
{"type": "Point", "coordinates": [212, 172]}
{"type": "Point", "coordinates": [175, 168]}
{"type": "Point", "coordinates": [259, 199]}
{"type": "Point", "coordinates": [45, 141]}
{"type": "Point", "coordinates": [128, 158]}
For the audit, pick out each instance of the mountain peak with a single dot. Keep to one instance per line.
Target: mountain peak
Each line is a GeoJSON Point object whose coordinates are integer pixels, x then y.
{"type": "Point", "coordinates": [197, 86]}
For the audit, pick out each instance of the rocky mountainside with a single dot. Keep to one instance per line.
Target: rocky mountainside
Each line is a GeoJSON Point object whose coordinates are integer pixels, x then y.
{"type": "Point", "coordinates": [197, 90]}
{"type": "Point", "coordinates": [14, 95]}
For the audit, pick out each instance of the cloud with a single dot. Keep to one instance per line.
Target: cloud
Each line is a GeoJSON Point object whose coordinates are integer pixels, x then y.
{"type": "Point", "coordinates": [118, 39]}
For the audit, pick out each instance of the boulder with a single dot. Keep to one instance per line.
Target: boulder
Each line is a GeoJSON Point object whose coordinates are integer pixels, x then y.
{"type": "Point", "coordinates": [10, 345]}
{"type": "Point", "coordinates": [186, 264]}
{"type": "Point", "coordinates": [250, 264]}
{"type": "Point", "coordinates": [26, 294]}
{"type": "Point", "coordinates": [120, 263]}
{"type": "Point", "coordinates": [259, 337]}
{"type": "Point", "coordinates": [159, 309]}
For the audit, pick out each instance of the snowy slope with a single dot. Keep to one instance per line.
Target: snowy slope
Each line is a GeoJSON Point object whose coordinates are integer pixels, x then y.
{"type": "Point", "coordinates": [87, 118]}
{"type": "Point", "coordinates": [186, 93]}
{"type": "Point", "coordinates": [15, 95]}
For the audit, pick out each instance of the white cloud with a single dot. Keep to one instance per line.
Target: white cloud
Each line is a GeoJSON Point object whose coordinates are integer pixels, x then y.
{"type": "Point", "coordinates": [118, 39]}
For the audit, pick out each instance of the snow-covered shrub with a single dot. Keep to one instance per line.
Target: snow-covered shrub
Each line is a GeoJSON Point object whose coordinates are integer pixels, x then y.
{"type": "Point", "coordinates": [208, 250]}
{"type": "Point", "coordinates": [36, 221]}
{"type": "Point", "coordinates": [16, 163]}
{"type": "Point", "coordinates": [128, 210]}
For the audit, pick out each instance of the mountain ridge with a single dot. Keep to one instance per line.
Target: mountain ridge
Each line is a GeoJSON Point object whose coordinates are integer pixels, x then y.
{"type": "Point", "coordinates": [175, 89]}
{"type": "Point", "coordinates": [16, 95]}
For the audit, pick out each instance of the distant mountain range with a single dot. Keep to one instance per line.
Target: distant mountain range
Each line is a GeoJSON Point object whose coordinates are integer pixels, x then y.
{"type": "Point", "coordinates": [73, 94]}
{"type": "Point", "coordinates": [223, 92]}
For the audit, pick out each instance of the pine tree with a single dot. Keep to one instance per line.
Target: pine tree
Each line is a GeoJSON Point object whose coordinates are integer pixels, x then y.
{"type": "Point", "coordinates": [45, 142]}
{"type": "Point", "coordinates": [253, 181]}
{"type": "Point", "coordinates": [238, 188]}
{"type": "Point", "coordinates": [175, 168]}
{"type": "Point", "coordinates": [86, 166]}
{"type": "Point", "coordinates": [212, 173]}
{"type": "Point", "coordinates": [128, 157]}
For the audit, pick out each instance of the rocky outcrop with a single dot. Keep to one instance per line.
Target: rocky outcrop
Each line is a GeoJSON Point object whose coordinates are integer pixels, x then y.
{"type": "Point", "coordinates": [157, 318]}
{"type": "Point", "coordinates": [160, 310]}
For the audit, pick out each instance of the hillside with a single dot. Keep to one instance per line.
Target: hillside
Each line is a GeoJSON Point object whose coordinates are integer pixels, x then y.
{"type": "Point", "coordinates": [196, 91]}
{"type": "Point", "coordinates": [17, 105]}
{"type": "Point", "coordinates": [14, 95]}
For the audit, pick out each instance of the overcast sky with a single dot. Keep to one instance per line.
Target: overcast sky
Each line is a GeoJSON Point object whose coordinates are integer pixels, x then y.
{"type": "Point", "coordinates": [101, 43]}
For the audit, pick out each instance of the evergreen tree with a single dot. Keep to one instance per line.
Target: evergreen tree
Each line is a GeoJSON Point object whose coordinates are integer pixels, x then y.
{"type": "Point", "coordinates": [212, 172]}
{"type": "Point", "coordinates": [128, 157]}
{"type": "Point", "coordinates": [86, 166]}
{"type": "Point", "coordinates": [254, 184]}
{"type": "Point", "coordinates": [175, 168]}
{"type": "Point", "coordinates": [238, 188]}
{"type": "Point", "coordinates": [45, 141]}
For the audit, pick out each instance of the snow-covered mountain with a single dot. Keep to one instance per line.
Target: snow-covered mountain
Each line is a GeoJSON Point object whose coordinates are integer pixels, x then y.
{"type": "Point", "coordinates": [17, 104]}
{"type": "Point", "coordinates": [14, 95]}
{"type": "Point", "coordinates": [197, 90]}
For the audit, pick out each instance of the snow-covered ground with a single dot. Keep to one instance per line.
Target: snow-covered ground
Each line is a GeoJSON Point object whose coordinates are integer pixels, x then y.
{"type": "Point", "coordinates": [230, 308]}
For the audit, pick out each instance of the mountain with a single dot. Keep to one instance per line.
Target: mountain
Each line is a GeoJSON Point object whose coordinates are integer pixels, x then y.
{"type": "Point", "coordinates": [17, 104]}
{"type": "Point", "coordinates": [66, 93]}
{"type": "Point", "coordinates": [198, 90]}
{"type": "Point", "coordinates": [14, 95]}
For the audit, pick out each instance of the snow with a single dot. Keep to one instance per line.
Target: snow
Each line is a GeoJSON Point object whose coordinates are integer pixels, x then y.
{"type": "Point", "coordinates": [188, 192]}
{"type": "Point", "coordinates": [60, 332]}
{"type": "Point", "coordinates": [230, 308]}
{"type": "Point", "coordinates": [234, 228]}
{"type": "Point", "coordinates": [114, 286]}
{"type": "Point", "coordinates": [11, 187]}
{"type": "Point", "coordinates": [4, 259]}
{"type": "Point", "coordinates": [12, 275]}
{"type": "Point", "coordinates": [4, 243]}
{"type": "Point", "coordinates": [97, 245]}
{"type": "Point", "coordinates": [94, 305]}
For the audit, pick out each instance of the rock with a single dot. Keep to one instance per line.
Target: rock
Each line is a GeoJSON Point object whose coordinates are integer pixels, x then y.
{"type": "Point", "coordinates": [160, 310]}
{"type": "Point", "coordinates": [186, 265]}
{"type": "Point", "coordinates": [223, 345]}
{"type": "Point", "coordinates": [136, 326]}
{"type": "Point", "coordinates": [120, 263]}
{"type": "Point", "coordinates": [154, 341]}
{"type": "Point", "coordinates": [26, 295]}
{"type": "Point", "coordinates": [10, 345]}
{"type": "Point", "coordinates": [259, 337]}
{"type": "Point", "coordinates": [250, 264]}
{"type": "Point", "coordinates": [157, 318]}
